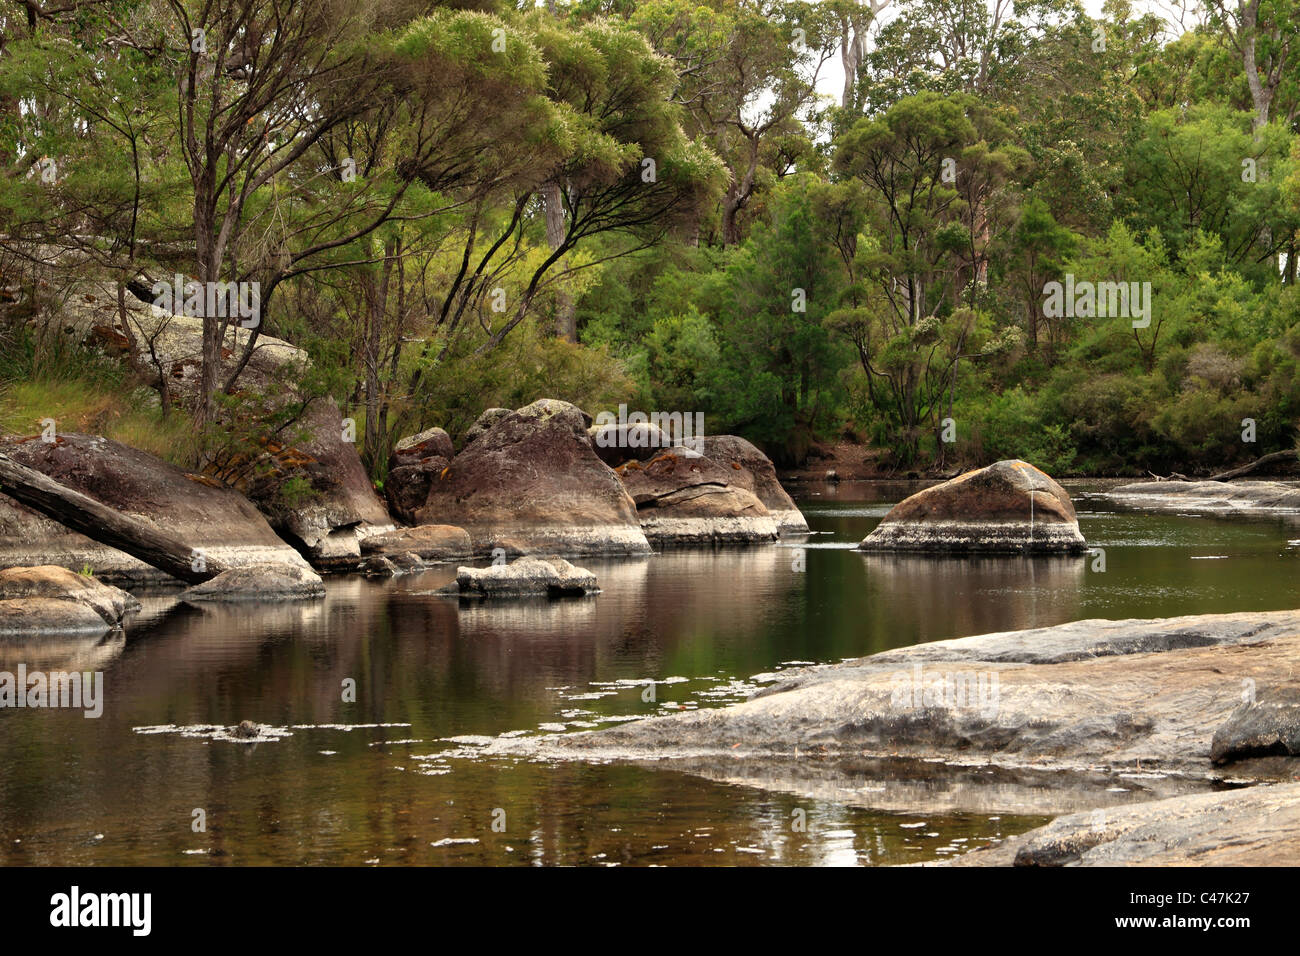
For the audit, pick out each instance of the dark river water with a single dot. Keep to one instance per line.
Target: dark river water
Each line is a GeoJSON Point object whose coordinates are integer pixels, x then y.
{"type": "Point", "coordinates": [392, 778]}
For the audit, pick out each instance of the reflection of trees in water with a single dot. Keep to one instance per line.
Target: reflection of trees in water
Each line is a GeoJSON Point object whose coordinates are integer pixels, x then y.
{"type": "Point", "coordinates": [916, 598]}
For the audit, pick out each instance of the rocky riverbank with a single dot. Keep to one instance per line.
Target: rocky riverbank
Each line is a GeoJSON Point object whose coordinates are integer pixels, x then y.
{"type": "Point", "coordinates": [532, 481]}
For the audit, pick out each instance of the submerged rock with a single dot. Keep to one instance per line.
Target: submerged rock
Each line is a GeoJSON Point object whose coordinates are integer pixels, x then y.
{"type": "Point", "coordinates": [530, 575]}
{"type": "Point", "coordinates": [1209, 495]}
{"type": "Point", "coordinates": [682, 497]}
{"type": "Point", "coordinates": [269, 583]}
{"type": "Point", "coordinates": [533, 478]}
{"type": "Point", "coordinates": [1010, 506]}
{"type": "Point", "coordinates": [51, 599]}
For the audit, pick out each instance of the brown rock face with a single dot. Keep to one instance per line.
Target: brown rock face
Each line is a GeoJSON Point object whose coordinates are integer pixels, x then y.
{"type": "Point", "coordinates": [485, 421]}
{"type": "Point", "coordinates": [683, 497]}
{"type": "Point", "coordinates": [214, 520]}
{"type": "Point", "coordinates": [616, 443]}
{"type": "Point", "coordinates": [343, 499]}
{"type": "Point", "coordinates": [533, 478]}
{"type": "Point", "coordinates": [1010, 506]}
{"type": "Point", "coordinates": [407, 486]}
{"type": "Point", "coordinates": [413, 467]}
{"type": "Point", "coordinates": [755, 472]}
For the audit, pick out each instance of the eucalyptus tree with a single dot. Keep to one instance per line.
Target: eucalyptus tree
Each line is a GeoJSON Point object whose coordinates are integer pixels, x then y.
{"type": "Point", "coordinates": [909, 326]}
{"type": "Point", "coordinates": [747, 73]}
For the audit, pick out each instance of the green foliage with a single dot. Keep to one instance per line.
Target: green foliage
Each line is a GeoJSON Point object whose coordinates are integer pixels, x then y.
{"type": "Point", "coordinates": [472, 204]}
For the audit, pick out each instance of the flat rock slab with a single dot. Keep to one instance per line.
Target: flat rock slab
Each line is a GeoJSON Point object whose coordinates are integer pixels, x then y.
{"type": "Point", "coordinates": [1115, 698]}
{"type": "Point", "coordinates": [1256, 826]}
{"type": "Point", "coordinates": [1008, 507]}
{"type": "Point", "coordinates": [1210, 495]}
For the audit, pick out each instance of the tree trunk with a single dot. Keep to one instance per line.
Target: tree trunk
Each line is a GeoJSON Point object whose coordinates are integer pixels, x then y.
{"type": "Point", "coordinates": [566, 319]}
{"type": "Point", "coordinates": [1257, 463]}
{"type": "Point", "coordinates": [102, 523]}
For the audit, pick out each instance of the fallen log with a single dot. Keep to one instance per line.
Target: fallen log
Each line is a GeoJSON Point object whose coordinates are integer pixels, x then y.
{"type": "Point", "coordinates": [103, 524]}
{"type": "Point", "coordinates": [1289, 455]}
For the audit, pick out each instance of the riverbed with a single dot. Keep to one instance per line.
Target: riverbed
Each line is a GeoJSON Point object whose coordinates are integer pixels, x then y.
{"type": "Point", "coordinates": [377, 700]}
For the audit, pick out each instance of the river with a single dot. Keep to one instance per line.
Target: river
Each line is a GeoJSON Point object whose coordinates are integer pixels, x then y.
{"type": "Point", "coordinates": [391, 776]}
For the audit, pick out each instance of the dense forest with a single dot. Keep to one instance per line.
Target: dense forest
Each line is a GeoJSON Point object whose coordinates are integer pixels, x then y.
{"type": "Point", "coordinates": [657, 204]}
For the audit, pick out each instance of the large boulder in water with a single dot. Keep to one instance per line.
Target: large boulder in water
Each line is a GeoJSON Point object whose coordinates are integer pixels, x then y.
{"type": "Point", "coordinates": [216, 522]}
{"type": "Point", "coordinates": [533, 479]}
{"type": "Point", "coordinates": [682, 497]}
{"type": "Point", "coordinates": [755, 472]}
{"type": "Point", "coordinates": [429, 542]}
{"type": "Point", "coordinates": [342, 506]}
{"type": "Point", "coordinates": [1010, 506]}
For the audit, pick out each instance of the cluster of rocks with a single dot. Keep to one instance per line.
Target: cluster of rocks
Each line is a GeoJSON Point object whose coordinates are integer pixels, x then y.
{"type": "Point", "coordinates": [544, 479]}
{"type": "Point", "coordinates": [539, 480]}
